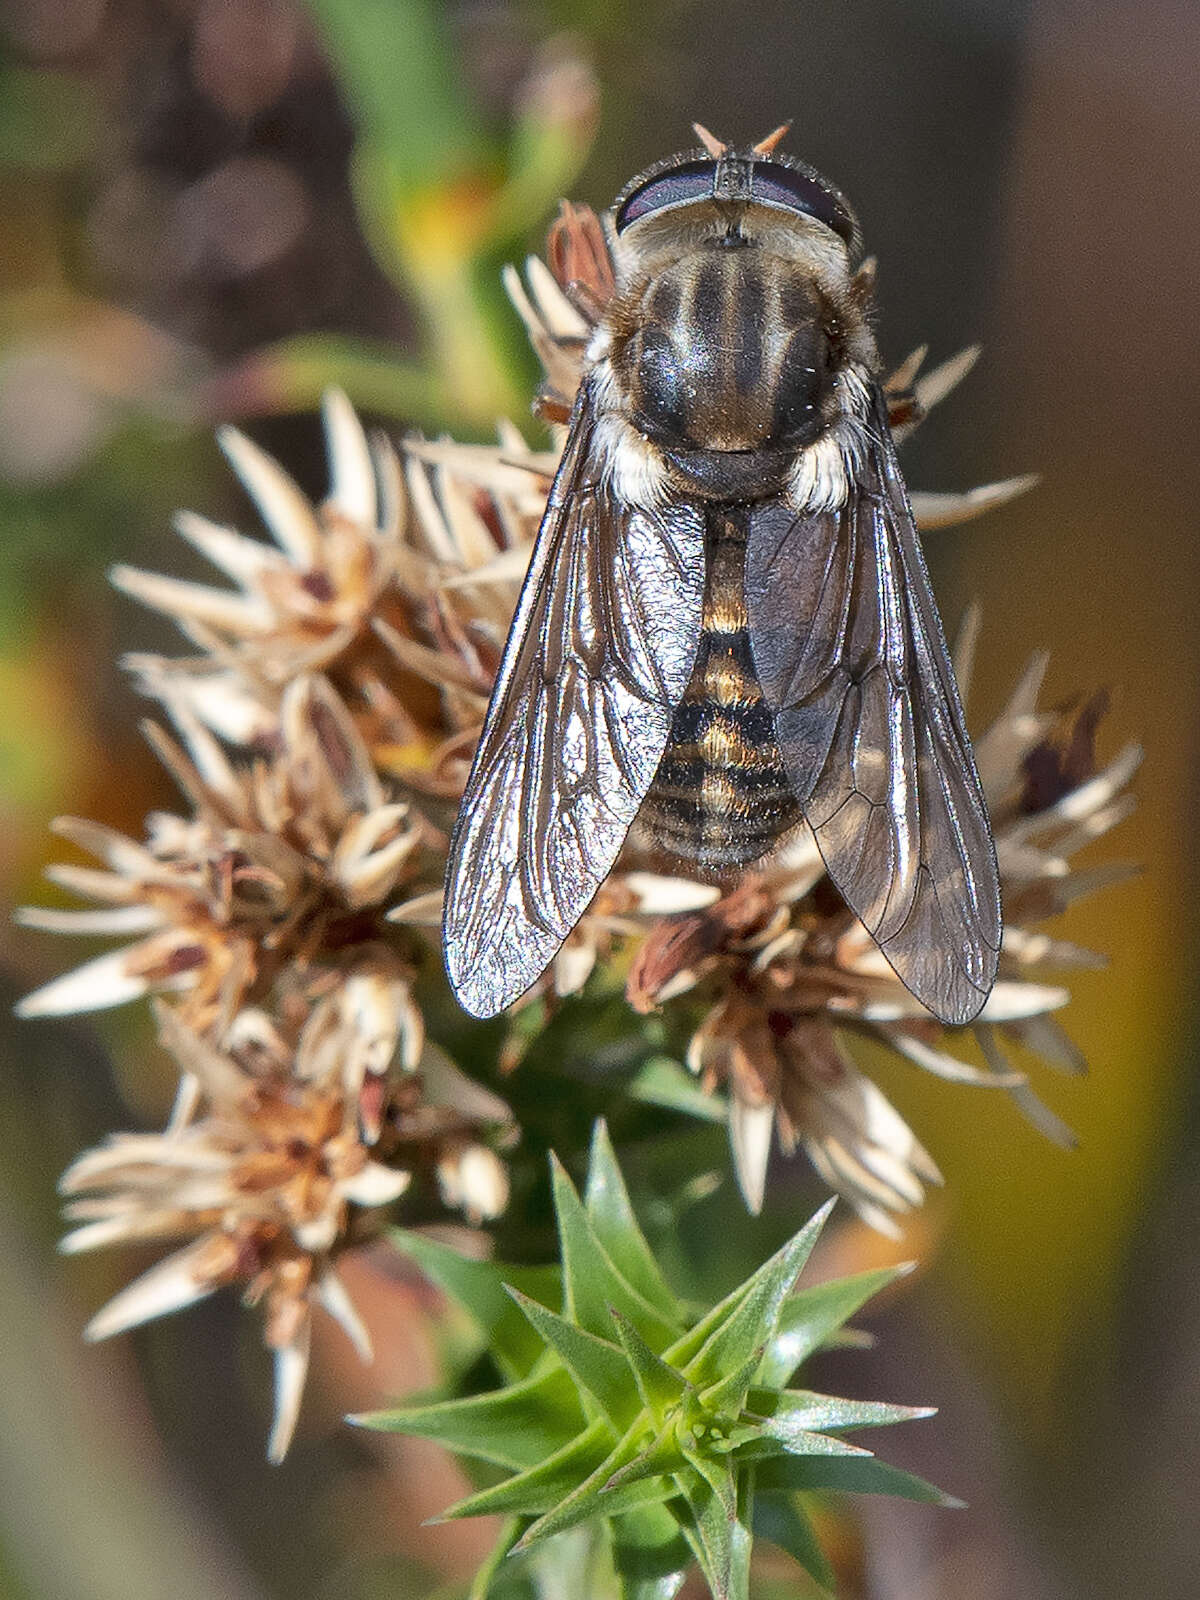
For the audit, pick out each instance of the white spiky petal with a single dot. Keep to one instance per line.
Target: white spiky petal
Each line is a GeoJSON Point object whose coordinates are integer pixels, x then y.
{"type": "Point", "coordinates": [170, 1285]}
{"type": "Point", "coordinates": [291, 1374]}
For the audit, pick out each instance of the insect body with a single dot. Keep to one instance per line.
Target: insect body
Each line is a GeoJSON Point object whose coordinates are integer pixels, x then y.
{"type": "Point", "coordinates": [721, 796]}
{"type": "Point", "coordinates": [722, 365]}
{"type": "Point", "coordinates": [727, 626]}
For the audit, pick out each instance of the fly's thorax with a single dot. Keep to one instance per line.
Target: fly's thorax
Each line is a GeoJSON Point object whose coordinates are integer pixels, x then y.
{"type": "Point", "coordinates": [732, 349]}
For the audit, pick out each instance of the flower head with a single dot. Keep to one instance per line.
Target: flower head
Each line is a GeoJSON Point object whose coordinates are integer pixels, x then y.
{"type": "Point", "coordinates": [398, 589]}
{"type": "Point", "coordinates": [272, 1179]}
{"type": "Point", "coordinates": [789, 976]}
{"type": "Point", "coordinates": [285, 866]}
{"type": "Point", "coordinates": [305, 603]}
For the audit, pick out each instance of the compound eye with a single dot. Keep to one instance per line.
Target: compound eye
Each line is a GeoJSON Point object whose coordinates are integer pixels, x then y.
{"type": "Point", "coordinates": [795, 191]}
{"type": "Point", "coordinates": [692, 180]}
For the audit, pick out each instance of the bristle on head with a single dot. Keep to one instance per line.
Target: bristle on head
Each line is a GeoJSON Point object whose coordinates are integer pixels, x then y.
{"type": "Point", "coordinates": [712, 144]}
{"type": "Point", "coordinates": [764, 147]}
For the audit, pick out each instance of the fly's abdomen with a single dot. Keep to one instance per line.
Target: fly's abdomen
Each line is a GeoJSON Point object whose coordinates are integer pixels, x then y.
{"type": "Point", "coordinates": [720, 797]}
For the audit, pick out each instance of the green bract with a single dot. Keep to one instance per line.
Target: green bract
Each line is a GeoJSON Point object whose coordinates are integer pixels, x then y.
{"type": "Point", "coordinates": [676, 1436]}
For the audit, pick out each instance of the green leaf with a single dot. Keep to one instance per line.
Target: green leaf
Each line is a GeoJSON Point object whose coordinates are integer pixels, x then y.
{"type": "Point", "coordinates": [595, 1364]}
{"type": "Point", "coordinates": [591, 1283]}
{"type": "Point", "coordinates": [728, 1395]}
{"type": "Point", "coordinates": [753, 1320]}
{"type": "Point", "coordinates": [577, 1564]}
{"type": "Point", "coordinates": [395, 66]}
{"type": "Point", "coordinates": [685, 1349]}
{"type": "Point", "coordinates": [846, 1338]}
{"type": "Point", "coordinates": [638, 1495]}
{"type": "Point", "coordinates": [659, 1385]}
{"type": "Point", "coordinates": [661, 1439]}
{"type": "Point", "coordinates": [515, 1427]}
{"type": "Point", "coordinates": [782, 1520]}
{"type": "Point", "coordinates": [658, 1460]}
{"type": "Point", "coordinates": [857, 1475]}
{"type": "Point", "coordinates": [718, 1475]}
{"type": "Point", "coordinates": [663, 1082]}
{"type": "Point", "coordinates": [593, 1498]}
{"type": "Point", "coordinates": [770, 1440]}
{"type": "Point", "coordinates": [606, 1201]}
{"type": "Point", "coordinates": [721, 1541]}
{"type": "Point", "coordinates": [803, 1409]}
{"type": "Point", "coordinates": [492, 1562]}
{"type": "Point", "coordinates": [479, 1287]}
{"type": "Point", "coordinates": [650, 1554]}
{"type": "Point", "coordinates": [812, 1315]}
{"type": "Point", "coordinates": [540, 1488]}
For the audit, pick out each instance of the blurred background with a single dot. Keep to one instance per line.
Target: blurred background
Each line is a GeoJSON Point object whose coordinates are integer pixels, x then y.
{"type": "Point", "coordinates": [213, 208]}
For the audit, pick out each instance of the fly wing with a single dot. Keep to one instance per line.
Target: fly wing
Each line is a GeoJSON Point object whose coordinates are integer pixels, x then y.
{"type": "Point", "coordinates": [600, 653]}
{"type": "Point", "coordinates": [852, 660]}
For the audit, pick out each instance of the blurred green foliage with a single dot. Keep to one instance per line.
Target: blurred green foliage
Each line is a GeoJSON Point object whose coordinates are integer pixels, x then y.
{"type": "Point", "coordinates": [49, 121]}
{"type": "Point", "coordinates": [444, 203]}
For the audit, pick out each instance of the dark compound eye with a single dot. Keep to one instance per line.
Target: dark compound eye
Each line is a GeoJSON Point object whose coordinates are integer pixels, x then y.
{"type": "Point", "coordinates": [692, 180]}
{"type": "Point", "coordinates": [776, 185]}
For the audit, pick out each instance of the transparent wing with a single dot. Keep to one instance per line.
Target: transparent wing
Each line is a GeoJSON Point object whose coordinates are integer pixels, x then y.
{"type": "Point", "coordinates": [600, 653]}
{"type": "Point", "coordinates": [852, 660]}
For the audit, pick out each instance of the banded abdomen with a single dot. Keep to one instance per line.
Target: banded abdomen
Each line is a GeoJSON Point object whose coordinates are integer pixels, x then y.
{"type": "Point", "coordinates": [720, 796]}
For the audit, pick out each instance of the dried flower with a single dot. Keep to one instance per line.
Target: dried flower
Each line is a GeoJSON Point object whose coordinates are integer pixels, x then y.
{"type": "Point", "coordinates": [789, 973]}
{"type": "Point", "coordinates": [260, 1187]}
{"type": "Point", "coordinates": [306, 604]}
{"type": "Point", "coordinates": [309, 1093]}
{"type": "Point", "coordinates": [398, 588]}
{"type": "Point", "coordinates": [286, 863]}
{"type": "Point", "coordinates": [272, 1181]}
